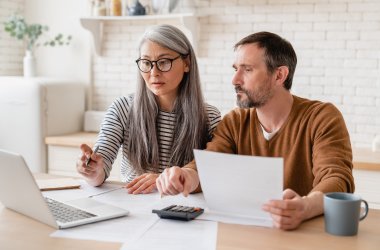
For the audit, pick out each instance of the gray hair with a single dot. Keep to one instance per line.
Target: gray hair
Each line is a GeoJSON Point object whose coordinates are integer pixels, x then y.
{"type": "Point", "coordinates": [191, 125]}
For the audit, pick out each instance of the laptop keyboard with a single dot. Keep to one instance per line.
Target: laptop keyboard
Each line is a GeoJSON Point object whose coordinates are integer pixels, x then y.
{"type": "Point", "coordinates": [65, 213]}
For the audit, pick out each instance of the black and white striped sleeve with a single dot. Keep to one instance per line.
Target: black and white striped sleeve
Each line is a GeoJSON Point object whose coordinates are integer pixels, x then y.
{"type": "Point", "coordinates": [214, 118]}
{"type": "Point", "coordinates": [113, 131]}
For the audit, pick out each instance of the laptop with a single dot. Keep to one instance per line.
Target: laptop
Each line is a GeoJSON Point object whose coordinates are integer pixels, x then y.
{"type": "Point", "coordinates": [236, 186]}
{"type": "Point", "coordinates": [19, 192]}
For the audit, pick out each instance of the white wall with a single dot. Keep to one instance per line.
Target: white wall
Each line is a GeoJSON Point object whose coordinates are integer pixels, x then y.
{"type": "Point", "coordinates": [337, 43]}
{"type": "Point", "coordinates": [11, 51]}
{"type": "Point", "coordinates": [62, 16]}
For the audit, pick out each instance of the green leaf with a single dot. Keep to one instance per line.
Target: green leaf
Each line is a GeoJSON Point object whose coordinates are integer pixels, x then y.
{"type": "Point", "coordinates": [16, 26]}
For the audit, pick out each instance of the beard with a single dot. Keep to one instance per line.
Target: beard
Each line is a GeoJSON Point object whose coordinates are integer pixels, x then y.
{"type": "Point", "coordinates": [254, 99]}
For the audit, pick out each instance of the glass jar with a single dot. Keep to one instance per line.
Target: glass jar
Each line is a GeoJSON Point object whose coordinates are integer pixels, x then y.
{"type": "Point", "coordinates": [115, 8]}
{"type": "Point", "coordinates": [99, 8]}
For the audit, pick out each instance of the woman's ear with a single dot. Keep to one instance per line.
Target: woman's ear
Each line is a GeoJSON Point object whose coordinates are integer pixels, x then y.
{"type": "Point", "coordinates": [187, 63]}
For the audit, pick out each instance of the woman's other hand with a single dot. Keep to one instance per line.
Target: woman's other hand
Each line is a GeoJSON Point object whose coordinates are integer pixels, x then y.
{"type": "Point", "coordinates": [143, 184]}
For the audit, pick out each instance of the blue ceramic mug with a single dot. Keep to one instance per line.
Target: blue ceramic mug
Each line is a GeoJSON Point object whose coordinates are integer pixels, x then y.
{"type": "Point", "coordinates": [343, 213]}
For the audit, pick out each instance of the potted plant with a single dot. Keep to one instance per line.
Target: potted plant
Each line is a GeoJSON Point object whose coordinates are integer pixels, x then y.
{"type": "Point", "coordinates": [31, 34]}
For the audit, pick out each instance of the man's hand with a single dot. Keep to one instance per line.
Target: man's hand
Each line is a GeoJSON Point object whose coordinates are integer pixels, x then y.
{"type": "Point", "coordinates": [142, 184]}
{"type": "Point", "coordinates": [93, 172]}
{"type": "Point", "coordinates": [289, 213]}
{"type": "Point", "coordinates": [177, 180]}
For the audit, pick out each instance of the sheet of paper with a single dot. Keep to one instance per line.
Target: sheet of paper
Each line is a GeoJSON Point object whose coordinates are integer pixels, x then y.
{"type": "Point", "coordinates": [236, 186]}
{"type": "Point", "coordinates": [126, 229]}
{"type": "Point", "coordinates": [123, 229]}
{"type": "Point", "coordinates": [177, 235]}
{"type": "Point", "coordinates": [85, 190]}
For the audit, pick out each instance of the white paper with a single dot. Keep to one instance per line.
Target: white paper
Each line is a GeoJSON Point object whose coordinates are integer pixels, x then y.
{"type": "Point", "coordinates": [177, 235]}
{"type": "Point", "coordinates": [123, 229]}
{"type": "Point", "coordinates": [236, 186]}
{"type": "Point", "coordinates": [140, 220]}
{"type": "Point", "coordinates": [84, 191]}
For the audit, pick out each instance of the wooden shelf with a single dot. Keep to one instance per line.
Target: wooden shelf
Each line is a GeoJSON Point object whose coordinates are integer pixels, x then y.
{"type": "Point", "coordinates": [96, 25]}
{"type": "Point", "coordinates": [72, 140]}
{"type": "Point", "coordinates": [366, 159]}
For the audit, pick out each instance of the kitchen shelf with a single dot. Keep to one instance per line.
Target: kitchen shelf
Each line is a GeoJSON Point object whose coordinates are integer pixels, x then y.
{"type": "Point", "coordinates": [96, 25]}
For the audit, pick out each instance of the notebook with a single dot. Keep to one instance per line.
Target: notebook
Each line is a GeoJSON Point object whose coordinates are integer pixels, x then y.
{"type": "Point", "coordinates": [58, 184]}
{"type": "Point", "coordinates": [236, 186]}
{"type": "Point", "coordinates": [19, 192]}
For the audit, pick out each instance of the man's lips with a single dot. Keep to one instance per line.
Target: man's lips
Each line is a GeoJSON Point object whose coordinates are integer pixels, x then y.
{"type": "Point", "coordinates": [239, 90]}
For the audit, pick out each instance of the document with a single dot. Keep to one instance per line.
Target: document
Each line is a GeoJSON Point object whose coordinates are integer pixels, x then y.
{"type": "Point", "coordinates": [133, 229]}
{"type": "Point", "coordinates": [123, 229]}
{"type": "Point", "coordinates": [177, 235]}
{"type": "Point", "coordinates": [236, 186]}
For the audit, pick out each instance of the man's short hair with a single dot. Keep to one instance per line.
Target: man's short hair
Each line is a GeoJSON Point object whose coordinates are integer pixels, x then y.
{"type": "Point", "coordinates": [278, 52]}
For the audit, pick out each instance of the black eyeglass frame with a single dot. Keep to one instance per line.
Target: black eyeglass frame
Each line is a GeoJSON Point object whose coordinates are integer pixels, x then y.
{"type": "Point", "coordinates": [155, 62]}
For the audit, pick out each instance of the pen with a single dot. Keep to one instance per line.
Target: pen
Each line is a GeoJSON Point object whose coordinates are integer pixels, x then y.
{"type": "Point", "coordinates": [89, 158]}
{"type": "Point", "coordinates": [106, 191]}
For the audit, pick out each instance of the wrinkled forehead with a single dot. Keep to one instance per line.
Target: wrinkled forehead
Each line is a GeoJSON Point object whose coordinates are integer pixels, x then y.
{"type": "Point", "coordinates": [249, 54]}
{"type": "Point", "coordinates": [152, 49]}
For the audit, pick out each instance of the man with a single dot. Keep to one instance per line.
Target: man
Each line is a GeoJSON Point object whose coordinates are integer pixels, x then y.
{"type": "Point", "coordinates": [311, 136]}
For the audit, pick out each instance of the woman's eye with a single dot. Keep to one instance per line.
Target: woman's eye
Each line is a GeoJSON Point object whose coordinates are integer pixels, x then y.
{"type": "Point", "coordinates": [146, 63]}
{"type": "Point", "coordinates": [163, 62]}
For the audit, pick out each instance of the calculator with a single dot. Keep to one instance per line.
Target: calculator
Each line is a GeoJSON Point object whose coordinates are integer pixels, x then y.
{"type": "Point", "coordinates": [176, 212]}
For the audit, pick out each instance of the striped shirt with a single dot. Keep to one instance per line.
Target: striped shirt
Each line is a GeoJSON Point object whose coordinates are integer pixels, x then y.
{"type": "Point", "coordinates": [114, 134]}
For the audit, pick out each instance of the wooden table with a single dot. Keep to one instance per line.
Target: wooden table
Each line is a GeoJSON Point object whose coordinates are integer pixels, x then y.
{"type": "Point", "coordinates": [20, 232]}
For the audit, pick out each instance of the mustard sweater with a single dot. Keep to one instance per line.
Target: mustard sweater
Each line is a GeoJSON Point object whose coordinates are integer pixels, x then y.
{"type": "Point", "coordinates": [313, 141]}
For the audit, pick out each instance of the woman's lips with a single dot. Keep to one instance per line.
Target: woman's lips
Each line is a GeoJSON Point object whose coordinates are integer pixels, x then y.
{"type": "Point", "coordinates": [157, 83]}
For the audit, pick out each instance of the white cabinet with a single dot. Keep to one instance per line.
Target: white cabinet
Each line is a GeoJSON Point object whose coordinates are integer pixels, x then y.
{"type": "Point", "coordinates": [33, 108]}
{"type": "Point", "coordinates": [367, 175]}
{"type": "Point", "coordinates": [96, 25]}
{"type": "Point", "coordinates": [367, 185]}
{"type": "Point", "coordinates": [63, 152]}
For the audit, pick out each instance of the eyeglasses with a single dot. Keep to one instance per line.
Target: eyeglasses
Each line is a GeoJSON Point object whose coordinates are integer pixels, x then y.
{"type": "Point", "coordinates": [163, 64]}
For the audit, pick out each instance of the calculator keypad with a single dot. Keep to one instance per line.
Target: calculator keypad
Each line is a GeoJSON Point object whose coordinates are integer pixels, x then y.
{"type": "Point", "coordinates": [177, 212]}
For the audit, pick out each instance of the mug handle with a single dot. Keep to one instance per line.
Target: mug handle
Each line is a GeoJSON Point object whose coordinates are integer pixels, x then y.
{"type": "Point", "coordinates": [365, 213]}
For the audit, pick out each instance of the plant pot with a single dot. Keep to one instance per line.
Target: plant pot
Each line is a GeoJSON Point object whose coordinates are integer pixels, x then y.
{"type": "Point", "coordinates": [29, 64]}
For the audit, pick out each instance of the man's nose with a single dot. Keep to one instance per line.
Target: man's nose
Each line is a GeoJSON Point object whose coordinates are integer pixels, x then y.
{"type": "Point", "coordinates": [236, 79]}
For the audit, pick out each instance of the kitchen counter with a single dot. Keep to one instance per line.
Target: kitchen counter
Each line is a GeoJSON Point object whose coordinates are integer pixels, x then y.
{"type": "Point", "coordinates": [366, 159]}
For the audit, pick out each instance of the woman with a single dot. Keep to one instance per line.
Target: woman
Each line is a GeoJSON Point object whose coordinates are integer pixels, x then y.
{"type": "Point", "coordinates": [160, 125]}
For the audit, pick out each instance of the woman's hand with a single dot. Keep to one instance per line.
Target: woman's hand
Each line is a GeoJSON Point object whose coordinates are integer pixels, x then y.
{"type": "Point", "coordinates": [93, 172]}
{"type": "Point", "coordinates": [143, 184]}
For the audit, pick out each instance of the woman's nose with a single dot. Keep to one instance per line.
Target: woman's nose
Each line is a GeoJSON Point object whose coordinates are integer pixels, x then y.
{"type": "Point", "coordinates": [154, 70]}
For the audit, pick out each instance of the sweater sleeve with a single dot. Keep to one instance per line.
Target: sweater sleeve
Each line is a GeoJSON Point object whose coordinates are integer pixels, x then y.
{"type": "Point", "coordinates": [112, 131]}
{"type": "Point", "coordinates": [332, 153]}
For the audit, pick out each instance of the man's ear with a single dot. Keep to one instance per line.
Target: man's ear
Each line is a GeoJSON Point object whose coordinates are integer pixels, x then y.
{"type": "Point", "coordinates": [282, 73]}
